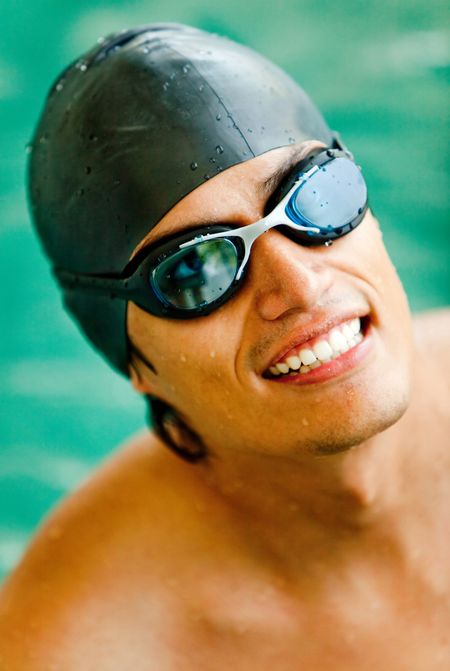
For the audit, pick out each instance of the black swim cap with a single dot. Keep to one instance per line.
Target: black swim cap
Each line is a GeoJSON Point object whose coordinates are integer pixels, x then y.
{"type": "Point", "coordinates": [128, 130]}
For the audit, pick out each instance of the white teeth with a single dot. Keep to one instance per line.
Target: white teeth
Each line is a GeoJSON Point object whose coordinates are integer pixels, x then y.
{"type": "Point", "coordinates": [293, 362]}
{"type": "Point", "coordinates": [355, 325]}
{"type": "Point", "coordinates": [322, 350]}
{"type": "Point", "coordinates": [282, 367]}
{"type": "Point", "coordinates": [337, 341]}
{"type": "Point", "coordinates": [307, 356]}
{"type": "Point", "coordinates": [347, 331]}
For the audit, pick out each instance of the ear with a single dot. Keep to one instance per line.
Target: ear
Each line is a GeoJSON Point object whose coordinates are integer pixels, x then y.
{"type": "Point", "coordinates": [139, 377]}
{"type": "Point", "coordinates": [137, 381]}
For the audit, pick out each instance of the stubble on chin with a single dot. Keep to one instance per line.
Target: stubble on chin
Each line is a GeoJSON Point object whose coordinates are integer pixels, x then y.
{"type": "Point", "coordinates": [345, 436]}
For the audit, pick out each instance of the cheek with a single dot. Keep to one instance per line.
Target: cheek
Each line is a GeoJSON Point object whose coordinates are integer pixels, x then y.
{"type": "Point", "coordinates": [193, 358]}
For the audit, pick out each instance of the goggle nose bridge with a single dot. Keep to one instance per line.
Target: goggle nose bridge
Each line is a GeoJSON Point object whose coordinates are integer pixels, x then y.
{"type": "Point", "coordinates": [248, 234]}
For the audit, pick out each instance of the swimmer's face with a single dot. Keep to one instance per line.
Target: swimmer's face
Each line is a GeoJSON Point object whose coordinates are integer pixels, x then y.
{"type": "Point", "coordinates": [216, 370]}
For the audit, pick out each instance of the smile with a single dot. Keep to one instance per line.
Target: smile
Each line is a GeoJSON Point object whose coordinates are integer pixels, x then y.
{"type": "Point", "coordinates": [320, 351]}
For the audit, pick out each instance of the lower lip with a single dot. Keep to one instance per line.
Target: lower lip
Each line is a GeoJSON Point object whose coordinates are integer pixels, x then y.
{"type": "Point", "coordinates": [334, 368]}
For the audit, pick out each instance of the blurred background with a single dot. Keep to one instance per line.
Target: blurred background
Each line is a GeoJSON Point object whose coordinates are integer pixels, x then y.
{"type": "Point", "coordinates": [379, 73]}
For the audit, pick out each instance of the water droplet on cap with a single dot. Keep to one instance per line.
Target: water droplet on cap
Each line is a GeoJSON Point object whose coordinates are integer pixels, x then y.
{"type": "Point", "coordinates": [328, 243]}
{"type": "Point", "coordinates": [88, 170]}
{"type": "Point", "coordinates": [194, 165]}
{"type": "Point", "coordinates": [28, 148]}
{"type": "Point", "coordinates": [201, 87]}
{"type": "Point", "coordinates": [186, 68]}
{"type": "Point", "coordinates": [218, 117]}
{"type": "Point", "coordinates": [219, 149]}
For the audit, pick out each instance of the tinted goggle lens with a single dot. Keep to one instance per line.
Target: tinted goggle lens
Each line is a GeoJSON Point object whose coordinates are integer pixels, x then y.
{"type": "Point", "coordinates": [331, 199]}
{"type": "Point", "coordinates": [198, 275]}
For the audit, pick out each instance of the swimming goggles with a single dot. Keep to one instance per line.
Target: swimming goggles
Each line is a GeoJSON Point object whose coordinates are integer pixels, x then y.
{"type": "Point", "coordinates": [193, 273]}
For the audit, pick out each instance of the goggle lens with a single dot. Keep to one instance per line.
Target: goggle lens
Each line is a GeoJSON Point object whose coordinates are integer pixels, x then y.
{"type": "Point", "coordinates": [198, 275]}
{"type": "Point", "coordinates": [331, 198]}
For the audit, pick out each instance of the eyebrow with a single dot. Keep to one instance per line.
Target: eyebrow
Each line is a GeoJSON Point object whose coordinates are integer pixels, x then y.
{"type": "Point", "coordinates": [269, 185]}
{"type": "Point", "coordinates": [265, 189]}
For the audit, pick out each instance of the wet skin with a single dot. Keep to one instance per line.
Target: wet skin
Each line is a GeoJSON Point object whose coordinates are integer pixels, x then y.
{"type": "Point", "coordinates": [220, 360]}
{"type": "Point", "coordinates": [315, 535]}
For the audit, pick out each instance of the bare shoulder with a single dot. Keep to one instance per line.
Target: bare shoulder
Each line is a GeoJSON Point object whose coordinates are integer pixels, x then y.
{"type": "Point", "coordinates": [90, 559]}
{"type": "Point", "coordinates": [432, 334]}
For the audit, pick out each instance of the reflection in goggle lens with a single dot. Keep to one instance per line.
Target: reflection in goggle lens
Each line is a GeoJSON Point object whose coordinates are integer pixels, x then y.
{"type": "Point", "coordinates": [197, 275]}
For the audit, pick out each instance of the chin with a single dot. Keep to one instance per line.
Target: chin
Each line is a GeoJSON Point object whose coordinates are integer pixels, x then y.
{"type": "Point", "coordinates": [360, 428]}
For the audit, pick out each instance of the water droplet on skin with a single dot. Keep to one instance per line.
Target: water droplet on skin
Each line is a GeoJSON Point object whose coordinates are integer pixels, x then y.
{"type": "Point", "coordinates": [82, 66]}
{"type": "Point", "coordinates": [145, 50]}
{"type": "Point", "coordinates": [43, 139]}
{"type": "Point", "coordinates": [194, 165]}
{"type": "Point", "coordinates": [183, 358]}
{"type": "Point", "coordinates": [88, 170]}
{"type": "Point", "coordinates": [206, 176]}
{"type": "Point", "coordinates": [186, 68]}
{"type": "Point", "coordinates": [81, 192]}
{"type": "Point", "coordinates": [59, 86]}
{"type": "Point", "coordinates": [249, 130]}
{"type": "Point", "coordinates": [165, 86]}
{"type": "Point", "coordinates": [93, 138]}
{"type": "Point", "coordinates": [219, 149]}
{"type": "Point", "coordinates": [291, 140]}
{"type": "Point", "coordinates": [201, 87]}
{"type": "Point", "coordinates": [212, 354]}
{"type": "Point", "coordinates": [218, 117]}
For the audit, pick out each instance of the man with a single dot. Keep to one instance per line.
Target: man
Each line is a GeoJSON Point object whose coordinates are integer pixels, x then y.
{"type": "Point", "coordinates": [212, 238]}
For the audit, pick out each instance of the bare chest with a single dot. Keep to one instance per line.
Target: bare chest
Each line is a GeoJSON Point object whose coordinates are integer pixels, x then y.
{"type": "Point", "coordinates": [265, 636]}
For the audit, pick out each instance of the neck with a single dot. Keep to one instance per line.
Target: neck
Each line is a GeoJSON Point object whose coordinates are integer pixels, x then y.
{"type": "Point", "coordinates": [377, 494]}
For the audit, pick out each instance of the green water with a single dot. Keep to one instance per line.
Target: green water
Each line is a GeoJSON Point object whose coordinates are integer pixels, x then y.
{"type": "Point", "coordinates": [379, 72]}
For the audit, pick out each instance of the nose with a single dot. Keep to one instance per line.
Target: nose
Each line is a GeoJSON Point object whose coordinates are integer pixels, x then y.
{"type": "Point", "coordinates": [286, 276]}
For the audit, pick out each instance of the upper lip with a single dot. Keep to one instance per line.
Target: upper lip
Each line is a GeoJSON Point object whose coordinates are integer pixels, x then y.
{"type": "Point", "coordinates": [298, 336]}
